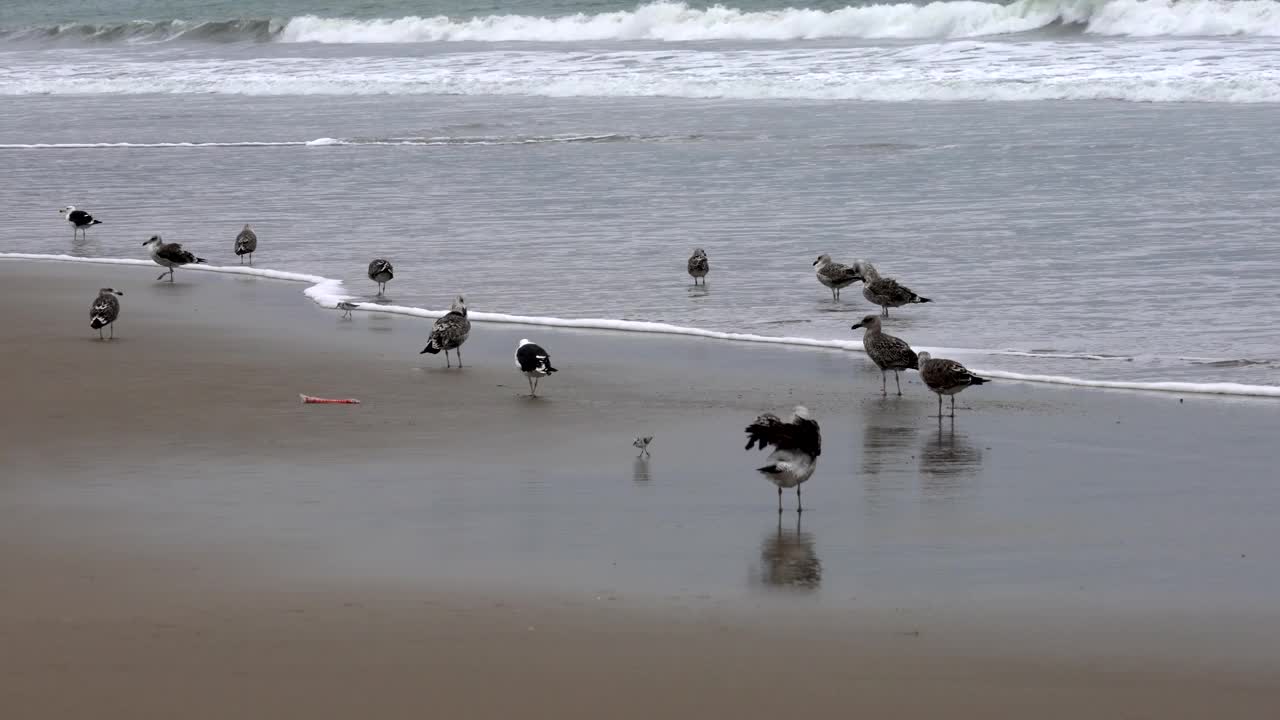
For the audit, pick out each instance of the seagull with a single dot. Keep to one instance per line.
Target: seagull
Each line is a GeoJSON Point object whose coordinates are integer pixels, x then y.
{"type": "Point", "coordinates": [698, 265]}
{"type": "Point", "coordinates": [834, 275]}
{"type": "Point", "coordinates": [798, 444]}
{"type": "Point", "coordinates": [946, 377]}
{"type": "Point", "coordinates": [170, 255]}
{"type": "Point", "coordinates": [642, 442]}
{"type": "Point", "coordinates": [885, 292]}
{"type": "Point", "coordinates": [449, 332]}
{"type": "Point", "coordinates": [886, 351]}
{"type": "Point", "coordinates": [534, 362]}
{"type": "Point", "coordinates": [246, 243]}
{"type": "Point", "coordinates": [104, 311]}
{"type": "Point", "coordinates": [80, 220]}
{"type": "Point", "coordinates": [346, 308]}
{"type": "Point", "coordinates": [381, 272]}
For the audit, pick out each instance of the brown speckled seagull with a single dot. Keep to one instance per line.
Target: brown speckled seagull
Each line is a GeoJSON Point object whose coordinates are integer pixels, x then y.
{"type": "Point", "coordinates": [698, 265]}
{"type": "Point", "coordinates": [946, 377]}
{"type": "Point", "coordinates": [886, 351]}
{"type": "Point", "coordinates": [834, 275]}
{"type": "Point", "coordinates": [104, 311]}
{"type": "Point", "coordinates": [449, 332]}
{"type": "Point", "coordinates": [246, 244]}
{"type": "Point", "coordinates": [885, 292]}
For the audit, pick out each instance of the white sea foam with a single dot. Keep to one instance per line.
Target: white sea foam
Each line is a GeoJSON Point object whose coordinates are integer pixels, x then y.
{"type": "Point", "coordinates": [1191, 70]}
{"type": "Point", "coordinates": [1174, 387]}
{"type": "Point", "coordinates": [331, 142]}
{"type": "Point", "coordinates": [677, 22]}
{"type": "Point", "coordinates": [328, 292]}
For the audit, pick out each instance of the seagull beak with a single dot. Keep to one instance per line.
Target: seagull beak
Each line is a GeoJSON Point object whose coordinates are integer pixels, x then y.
{"type": "Point", "coordinates": [855, 327]}
{"type": "Point", "coordinates": [815, 262]}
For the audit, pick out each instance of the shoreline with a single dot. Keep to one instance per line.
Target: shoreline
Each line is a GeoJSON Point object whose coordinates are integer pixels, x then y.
{"type": "Point", "coordinates": [192, 540]}
{"type": "Point", "coordinates": [327, 292]}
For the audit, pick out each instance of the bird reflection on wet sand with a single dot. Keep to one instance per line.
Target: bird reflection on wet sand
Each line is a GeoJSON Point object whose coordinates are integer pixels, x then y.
{"type": "Point", "coordinates": [885, 447]}
{"type": "Point", "coordinates": [948, 458]}
{"type": "Point", "coordinates": [640, 470]}
{"type": "Point", "coordinates": [787, 559]}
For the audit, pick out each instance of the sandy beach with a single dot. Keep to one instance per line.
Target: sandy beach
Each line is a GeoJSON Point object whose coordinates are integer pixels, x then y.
{"type": "Point", "coordinates": [183, 537]}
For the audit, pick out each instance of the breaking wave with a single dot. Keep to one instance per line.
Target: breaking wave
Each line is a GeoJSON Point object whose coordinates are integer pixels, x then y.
{"type": "Point", "coordinates": [677, 22]}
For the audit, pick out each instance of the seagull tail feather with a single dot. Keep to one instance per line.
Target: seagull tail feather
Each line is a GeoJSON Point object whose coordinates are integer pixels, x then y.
{"type": "Point", "coordinates": [975, 380]}
{"type": "Point", "coordinates": [201, 260]}
{"type": "Point", "coordinates": [432, 347]}
{"type": "Point", "coordinates": [97, 322]}
{"type": "Point", "coordinates": [919, 299]}
{"type": "Point", "coordinates": [96, 222]}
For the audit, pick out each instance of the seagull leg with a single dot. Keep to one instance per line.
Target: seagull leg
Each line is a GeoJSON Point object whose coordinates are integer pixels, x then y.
{"type": "Point", "coordinates": [113, 336]}
{"type": "Point", "coordinates": [250, 258]}
{"type": "Point", "coordinates": [939, 405]}
{"type": "Point", "coordinates": [799, 506]}
{"type": "Point", "coordinates": [897, 382]}
{"type": "Point", "coordinates": [953, 405]}
{"type": "Point", "coordinates": [100, 333]}
{"type": "Point", "coordinates": [459, 351]}
{"type": "Point", "coordinates": [241, 259]}
{"type": "Point", "coordinates": [779, 501]}
{"type": "Point", "coordinates": [884, 390]}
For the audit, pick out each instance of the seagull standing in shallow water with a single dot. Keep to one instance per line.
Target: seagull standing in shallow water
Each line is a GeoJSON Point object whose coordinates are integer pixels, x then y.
{"type": "Point", "coordinates": [699, 266]}
{"type": "Point", "coordinates": [534, 362]}
{"type": "Point", "coordinates": [946, 377]}
{"type": "Point", "coordinates": [449, 332]}
{"type": "Point", "coordinates": [80, 220]}
{"type": "Point", "coordinates": [798, 443]}
{"type": "Point", "coordinates": [834, 275]}
{"type": "Point", "coordinates": [170, 255]}
{"type": "Point", "coordinates": [886, 351]}
{"type": "Point", "coordinates": [642, 442]}
{"type": "Point", "coordinates": [381, 272]}
{"type": "Point", "coordinates": [246, 243]}
{"type": "Point", "coordinates": [104, 311]}
{"type": "Point", "coordinates": [885, 292]}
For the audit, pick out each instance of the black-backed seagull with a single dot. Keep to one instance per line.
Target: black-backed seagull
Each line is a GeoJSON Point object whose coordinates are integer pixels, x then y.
{"type": "Point", "coordinates": [534, 362]}
{"type": "Point", "coordinates": [170, 255]}
{"type": "Point", "coordinates": [80, 220]}
{"type": "Point", "coordinates": [798, 443]}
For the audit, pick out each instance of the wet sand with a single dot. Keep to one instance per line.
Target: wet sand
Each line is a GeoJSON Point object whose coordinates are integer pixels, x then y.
{"type": "Point", "coordinates": [191, 539]}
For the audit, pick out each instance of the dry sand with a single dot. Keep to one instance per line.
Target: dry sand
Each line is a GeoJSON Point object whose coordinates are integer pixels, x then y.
{"type": "Point", "coordinates": [110, 613]}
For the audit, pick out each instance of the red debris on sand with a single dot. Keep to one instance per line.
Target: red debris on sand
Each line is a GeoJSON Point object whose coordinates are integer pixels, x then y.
{"type": "Point", "coordinates": [307, 399]}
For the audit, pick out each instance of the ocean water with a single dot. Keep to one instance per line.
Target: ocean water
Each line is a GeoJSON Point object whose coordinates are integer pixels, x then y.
{"type": "Point", "coordinates": [1085, 189]}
